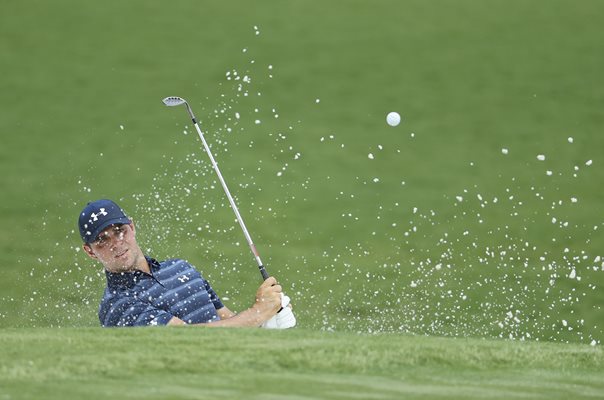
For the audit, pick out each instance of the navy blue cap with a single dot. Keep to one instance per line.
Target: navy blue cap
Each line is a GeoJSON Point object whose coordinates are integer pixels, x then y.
{"type": "Point", "coordinates": [97, 216]}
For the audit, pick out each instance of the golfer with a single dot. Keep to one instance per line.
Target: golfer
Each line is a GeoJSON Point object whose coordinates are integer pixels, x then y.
{"type": "Point", "coordinates": [143, 291]}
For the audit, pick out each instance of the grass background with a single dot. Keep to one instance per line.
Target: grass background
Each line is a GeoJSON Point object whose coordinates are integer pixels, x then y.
{"type": "Point", "coordinates": [437, 232]}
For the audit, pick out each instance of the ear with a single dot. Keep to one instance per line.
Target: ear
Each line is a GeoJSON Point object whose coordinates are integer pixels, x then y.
{"type": "Point", "coordinates": [89, 251]}
{"type": "Point", "coordinates": [133, 227]}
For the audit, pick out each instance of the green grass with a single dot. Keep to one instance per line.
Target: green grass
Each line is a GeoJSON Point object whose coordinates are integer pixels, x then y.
{"type": "Point", "coordinates": [296, 364]}
{"type": "Point", "coordinates": [469, 80]}
{"type": "Point", "coordinates": [361, 245]}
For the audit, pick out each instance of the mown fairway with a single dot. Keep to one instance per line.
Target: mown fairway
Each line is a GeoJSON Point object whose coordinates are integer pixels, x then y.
{"type": "Point", "coordinates": [479, 216]}
{"type": "Point", "coordinates": [298, 364]}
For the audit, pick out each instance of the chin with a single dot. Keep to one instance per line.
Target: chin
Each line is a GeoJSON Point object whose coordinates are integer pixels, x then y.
{"type": "Point", "coordinates": [126, 265]}
{"type": "Point", "coordinates": [122, 267]}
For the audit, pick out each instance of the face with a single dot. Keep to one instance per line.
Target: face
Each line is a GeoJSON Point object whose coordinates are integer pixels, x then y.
{"type": "Point", "coordinates": [116, 248]}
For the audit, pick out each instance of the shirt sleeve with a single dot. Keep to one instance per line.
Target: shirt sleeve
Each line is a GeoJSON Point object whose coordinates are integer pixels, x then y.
{"type": "Point", "coordinates": [129, 311]}
{"type": "Point", "coordinates": [213, 296]}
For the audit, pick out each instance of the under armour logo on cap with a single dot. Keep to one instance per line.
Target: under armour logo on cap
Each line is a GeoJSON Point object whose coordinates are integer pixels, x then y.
{"type": "Point", "coordinates": [97, 216]}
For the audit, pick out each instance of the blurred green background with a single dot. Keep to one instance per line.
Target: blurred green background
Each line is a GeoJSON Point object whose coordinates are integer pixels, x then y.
{"type": "Point", "coordinates": [447, 224]}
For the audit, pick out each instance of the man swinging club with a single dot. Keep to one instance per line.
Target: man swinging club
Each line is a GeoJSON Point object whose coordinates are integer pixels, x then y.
{"type": "Point", "coordinates": [143, 291]}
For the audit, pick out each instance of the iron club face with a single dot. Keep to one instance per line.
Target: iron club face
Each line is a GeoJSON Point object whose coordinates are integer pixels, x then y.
{"type": "Point", "coordinates": [173, 101]}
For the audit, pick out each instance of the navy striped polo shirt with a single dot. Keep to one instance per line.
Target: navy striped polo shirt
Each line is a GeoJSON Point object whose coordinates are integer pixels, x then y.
{"type": "Point", "coordinates": [173, 289]}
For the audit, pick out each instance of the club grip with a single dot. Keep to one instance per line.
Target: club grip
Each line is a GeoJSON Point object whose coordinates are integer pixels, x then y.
{"type": "Point", "coordinates": [263, 272]}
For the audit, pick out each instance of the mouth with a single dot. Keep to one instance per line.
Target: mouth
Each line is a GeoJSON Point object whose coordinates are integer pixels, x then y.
{"type": "Point", "coordinates": [121, 254]}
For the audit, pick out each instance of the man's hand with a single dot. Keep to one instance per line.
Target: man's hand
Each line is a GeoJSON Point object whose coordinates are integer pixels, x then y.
{"type": "Point", "coordinates": [268, 298]}
{"type": "Point", "coordinates": [284, 319]}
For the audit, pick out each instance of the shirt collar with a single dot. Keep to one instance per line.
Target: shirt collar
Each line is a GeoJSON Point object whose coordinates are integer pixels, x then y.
{"type": "Point", "coordinates": [153, 263]}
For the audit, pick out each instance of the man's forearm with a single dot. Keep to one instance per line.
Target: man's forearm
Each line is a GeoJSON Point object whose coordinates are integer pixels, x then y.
{"type": "Point", "coordinates": [251, 317]}
{"type": "Point", "coordinates": [248, 318]}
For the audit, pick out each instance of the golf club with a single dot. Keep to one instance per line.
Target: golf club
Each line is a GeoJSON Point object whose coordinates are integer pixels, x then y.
{"type": "Point", "coordinates": [177, 101]}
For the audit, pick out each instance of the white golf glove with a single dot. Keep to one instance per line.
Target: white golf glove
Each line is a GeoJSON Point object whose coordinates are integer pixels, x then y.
{"type": "Point", "coordinates": [284, 319]}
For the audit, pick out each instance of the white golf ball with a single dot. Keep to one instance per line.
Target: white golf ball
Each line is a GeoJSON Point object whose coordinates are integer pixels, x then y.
{"type": "Point", "coordinates": [393, 118]}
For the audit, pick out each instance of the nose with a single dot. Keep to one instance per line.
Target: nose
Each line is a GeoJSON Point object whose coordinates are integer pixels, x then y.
{"type": "Point", "coordinates": [115, 239]}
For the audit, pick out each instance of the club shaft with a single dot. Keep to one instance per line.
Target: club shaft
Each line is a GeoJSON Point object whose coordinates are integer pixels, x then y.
{"type": "Point", "coordinates": [231, 200]}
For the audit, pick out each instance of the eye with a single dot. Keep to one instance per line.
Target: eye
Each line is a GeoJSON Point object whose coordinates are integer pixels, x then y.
{"type": "Point", "coordinates": [101, 241]}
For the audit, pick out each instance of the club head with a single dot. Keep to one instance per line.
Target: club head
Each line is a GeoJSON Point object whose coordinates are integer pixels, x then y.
{"type": "Point", "coordinates": [173, 101]}
{"type": "Point", "coordinates": [176, 101]}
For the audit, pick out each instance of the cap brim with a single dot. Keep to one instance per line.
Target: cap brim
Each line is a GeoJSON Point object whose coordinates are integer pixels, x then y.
{"type": "Point", "coordinates": [105, 224]}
